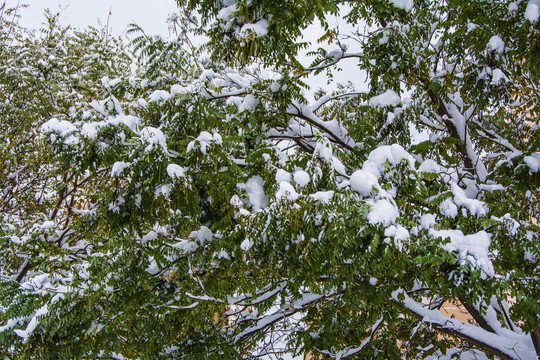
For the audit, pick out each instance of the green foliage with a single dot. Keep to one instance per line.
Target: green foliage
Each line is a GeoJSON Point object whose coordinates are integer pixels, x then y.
{"type": "Point", "coordinates": [198, 204]}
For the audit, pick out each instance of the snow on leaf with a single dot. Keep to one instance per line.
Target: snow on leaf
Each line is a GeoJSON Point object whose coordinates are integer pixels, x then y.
{"type": "Point", "coordinates": [282, 176]}
{"type": "Point", "coordinates": [448, 208]}
{"type": "Point", "coordinates": [258, 29]}
{"type": "Point", "coordinates": [301, 178]}
{"type": "Point", "coordinates": [475, 207]}
{"type": "Point", "coordinates": [255, 190]}
{"type": "Point", "coordinates": [324, 196]}
{"type": "Point", "coordinates": [203, 235]}
{"type": "Point", "coordinates": [532, 13]}
{"type": "Point", "coordinates": [62, 128]}
{"type": "Point", "coordinates": [246, 244]}
{"type": "Point", "coordinates": [406, 5]}
{"type": "Point", "coordinates": [159, 95]}
{"type": "Point", "coordinates": [383, 212]}
{"type": "Point", "coordinates": [175, 171]}
{"type": "Point", "coordinates": [394, 154]}
{"type": "Point", "coordinates": [287, 191]}
{"type": "Point", "coordinates": [533, 162]}
{"type": "Point", "coordinates": [388, 98]}
{"type": "Point", "coordinates": [496, 44]}
{"type": "Point", "coordinates": [118, 167]}
{"type": "Point", "coordinates": [154, 137]}
{"type": "Point", "coordinates": [476, 245]}
{"type": "Point", "coordinates": [362, 182]}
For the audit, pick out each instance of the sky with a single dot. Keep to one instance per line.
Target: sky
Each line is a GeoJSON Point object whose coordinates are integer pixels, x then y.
{"type": "Point", "coordinates": [150, 15]}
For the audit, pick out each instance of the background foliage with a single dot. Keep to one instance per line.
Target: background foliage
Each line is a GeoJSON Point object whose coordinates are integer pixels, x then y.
{"type": "Point", "coordinates": [165, 200]}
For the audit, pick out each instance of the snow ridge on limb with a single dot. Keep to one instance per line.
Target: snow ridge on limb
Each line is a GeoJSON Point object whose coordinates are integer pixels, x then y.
{"type": "Point", "coordinates": [518, 346]}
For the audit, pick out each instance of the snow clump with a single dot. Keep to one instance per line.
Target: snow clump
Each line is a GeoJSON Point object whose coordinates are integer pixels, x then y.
{"type": "Point", "coordinates": [255, 190]}
{"type": "Point", "coordinates": [496, 43]}
{"type": "Point", "coordinates": [283, 176]}
{"type": "Point", "coordinates": [473, 248]}
{"type": "Point", "coordinates": [394, 154]}
{"type": "Point", "coordinates": [406, 5]}
{"type": "Point", "coordinates": [532, 13]}
{"type": "Point", "coordinates": [154, 136]}
{"type": "Point", "coordinates": [301, 178]}
{"type": "Point", "coordinates": [383, 212]}
{"type": "Point", "coordinates": [175, 171]}
{"type": "Point", "coordinates": [533, 162]}
{"type": "Point", "coordinates": [388, 98]}
{"type": "Point", "coordinates": [286, 190]}
{"type": "Point", "coordinates": [203, 235]}
{"type": "Point", "coordinates": [258, 29]}
{"type": "Point", "coordinates": [475, 207]}
{"type": "Point", "coordinates": [205, 139]}
{"type": "Point", "coordinates": [118, 167]}
{"type": "Point", "coordinates": [362, 182]}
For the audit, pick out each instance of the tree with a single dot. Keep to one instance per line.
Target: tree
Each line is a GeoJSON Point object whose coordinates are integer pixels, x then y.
{"type": "Point", "coordinates": [228, 216]}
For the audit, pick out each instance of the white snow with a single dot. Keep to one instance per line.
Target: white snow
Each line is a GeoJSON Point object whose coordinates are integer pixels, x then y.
{"type": "Point", "coordinates": [532, 13]}
{"type": "Point", "coordinates": [152, 235]}
{"type": "Point", "coordinates": [388, 98]}
{"type": "Point", "coordinates": [186, 246]}
{"type": "Point", "coordinates": [516, 347]}
{"type": "Point", "coordinates": [203, 235]}
{"type": "Point", "coordinates": [397, 232]}
{"type": "Point", "coordinates": [427, 221]}
{"type": "Point", "coordinates": [205, 139]}
{"type": "Point", "coordinates": [324, 151]}
{"type": "Point", "coordinates": [90, 130]}
{"type": "Point", "coordinates": [159, 95]}
{"type": "Point", "coordinates": [362, 182]}
{"type": "Point", "coordinates": [34, 322]}
{"type": "Point", "coordinates": [406, 5]}
{"type": "Point", "coordinates": [153, 267]}
{"type": "Point", "coordinates": [383, 212]}
{"type": "Point", "coordinates": [154, 136]}
{"type": "Point", "coordinates": [175, 171]}
{"type": "Point", "coordinates": [394, 154]}
{"type": "Point", "coordinates": [475, 207]}
{"type": "Point", "coordinates": [533, 162]}
{"type": "Point", "coordinates": [178, 89]}
{"type": "Point", "coordinates": [61, 127]}
{"type": "Point", "coordinates": [430, 166]}
{"type": "Point", "coordinates": [236, 202]}
{"type": "Point", "coordinates": [283, 176]}
{"type": "Point", "coordinates": [118, 167]}
{"type": "Point", "coordinates": [496, 43]}
{"type": "Point", "coordinates": [115, 82]}
{"type": "Point", "coordinates": [227, 12]}
{"type": "Point", "coordinates": [324, 196]}
{"type": "Point", "coordinates": [448, 208]}
{"type": "Point", "coordinates": [338, 166]}
{"type": "Point", "coordinates": [401, 233]}
{"type": "Point", "coordinates": [275, 87]}
{"type": "Point", "coordinates": [497, 77]}
{"type": "Point", "coordinates": [301, 178]}
{"type": "Point", "coordinates": [286, 190]}
{"type": "Point", "coordinates": [258, 29]}
{"type": "Point", "coordinates": [246, 244]}
{"type": "Point", "coordinates": [249, 103]}
{"type": "Point", "coordinates": [475, 245]}
{"type": "Point", "coordinates": [255, 190]}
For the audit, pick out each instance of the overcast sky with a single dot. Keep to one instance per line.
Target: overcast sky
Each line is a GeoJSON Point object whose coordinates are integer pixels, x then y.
{"type": "Point", "coordinates": [150, 15]}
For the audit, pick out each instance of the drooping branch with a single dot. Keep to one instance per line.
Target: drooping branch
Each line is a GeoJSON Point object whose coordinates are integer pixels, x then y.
{"type": "Point", "coordinates": [506, 348]}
